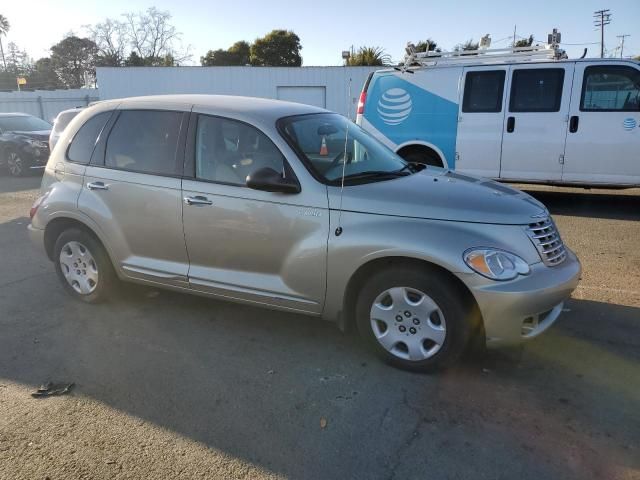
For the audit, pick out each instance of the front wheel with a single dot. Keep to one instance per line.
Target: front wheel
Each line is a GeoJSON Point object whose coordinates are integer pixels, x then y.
{"type": "Point", "coordinates": [416, 319]}
{"type": "Point", "coordinates": [16, 164]}
{"type": "Point", "coordinates": [83, 266]}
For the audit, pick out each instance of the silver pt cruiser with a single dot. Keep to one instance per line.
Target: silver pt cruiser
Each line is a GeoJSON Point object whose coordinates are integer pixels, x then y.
{"type": "Point", "coordinates": [293, 207]}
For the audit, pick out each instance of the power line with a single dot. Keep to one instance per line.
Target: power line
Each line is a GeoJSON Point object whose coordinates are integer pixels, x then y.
{"type": "Point", "coordinates": [602, 18]}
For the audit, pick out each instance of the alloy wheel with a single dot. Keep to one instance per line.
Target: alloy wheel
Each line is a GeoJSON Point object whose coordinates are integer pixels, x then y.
{"type": "Point", "coordinates": [15, 165]}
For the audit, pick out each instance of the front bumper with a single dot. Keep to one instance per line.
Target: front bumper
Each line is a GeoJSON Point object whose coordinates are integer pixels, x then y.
{"type": "Point", "coordinates": [36, 156]}
{"type": "Point", "coordinates": [521, 309]}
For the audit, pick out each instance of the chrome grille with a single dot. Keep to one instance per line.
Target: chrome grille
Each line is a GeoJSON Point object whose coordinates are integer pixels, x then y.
{"type": "Point", "coordinates": [546, 238]}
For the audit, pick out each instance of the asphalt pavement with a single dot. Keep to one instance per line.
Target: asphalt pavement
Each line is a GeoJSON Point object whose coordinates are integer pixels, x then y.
{"type": "Point", "coordinates": [176, 386]}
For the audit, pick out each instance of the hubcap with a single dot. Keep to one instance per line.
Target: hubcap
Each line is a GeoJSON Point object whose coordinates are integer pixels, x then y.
{"type": "Point", "coordinates": [408, 323]}
{"type": "Point", "coordinates": [14, 162]}
{"type": "Point", "coordinates": [79, 267]}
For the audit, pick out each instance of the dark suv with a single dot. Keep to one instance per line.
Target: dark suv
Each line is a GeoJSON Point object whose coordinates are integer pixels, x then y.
{"type": "Point", "coordinates": [24, 142]}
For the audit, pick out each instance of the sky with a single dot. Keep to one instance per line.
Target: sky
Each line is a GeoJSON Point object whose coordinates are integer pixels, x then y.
{"type": "Point", "coordinates": [327, 27]}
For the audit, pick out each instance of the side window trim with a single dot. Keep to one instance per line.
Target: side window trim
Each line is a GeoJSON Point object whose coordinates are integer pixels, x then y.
{"type": "Point", "coordinates": [190, 150]}
{"type": "Point", "coordinates": [180, 146]}
{"type": "Point", "coordinates": [559, 93]}
{"type": "Point", "coordinates": [592, 68]}
{"type": "Point", "coordinates": [466, 94]}
{"type": "Point", "coordinates": [104, 127]}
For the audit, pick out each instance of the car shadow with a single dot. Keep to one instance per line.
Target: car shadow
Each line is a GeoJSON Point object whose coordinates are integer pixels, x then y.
{"type": "Point", "coordinates": [256, 383]}
{"type": "Point", "coordinates": [590, 203]}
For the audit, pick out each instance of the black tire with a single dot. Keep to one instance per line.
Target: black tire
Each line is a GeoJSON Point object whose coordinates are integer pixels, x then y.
{"type": "Point", "coordinates": [458, 312]}
{"type": "Point", "coordinates": [423, 157]}
{"type": "Point", "coordinates": [106, 279]}
{"type": "Point", "coordinates": [16, 164]}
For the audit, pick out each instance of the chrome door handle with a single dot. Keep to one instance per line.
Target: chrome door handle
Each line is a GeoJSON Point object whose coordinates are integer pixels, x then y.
{"type": "Point", "coordinates": [97, 186]}
{"type": "Point", "coordinates": [197, 200]}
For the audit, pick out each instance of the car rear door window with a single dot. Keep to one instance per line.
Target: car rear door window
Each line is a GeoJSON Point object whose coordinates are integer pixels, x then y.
{"type": "Point", "coordinates": [84, 141]}
{"type": "Point", "coordinates": [145, 141]}
{"type": "Point", "coordinates": [536, 90]}
{"type": "Point", "coordinates": [612, 88]}
{"type": "Point", "coordinates": [483, 92]}
{"type": "Point", "coordinates": [226, 151]}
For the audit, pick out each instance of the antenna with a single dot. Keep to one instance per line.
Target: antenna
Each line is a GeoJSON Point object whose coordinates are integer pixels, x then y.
{"type": "Point", "coordinates": [344, 164]}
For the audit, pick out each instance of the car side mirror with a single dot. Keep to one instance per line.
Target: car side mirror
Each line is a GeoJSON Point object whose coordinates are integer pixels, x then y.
{"type": "Point", "coordinates": [268, 180]}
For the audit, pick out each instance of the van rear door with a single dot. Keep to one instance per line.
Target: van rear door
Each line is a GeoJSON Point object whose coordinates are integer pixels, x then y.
{"type": "Point", "coordinates": [480, 120]}
{"type": "Point", "coordinates": [604, 126]}
{"type": "Point", "coordinates": [535, 126]}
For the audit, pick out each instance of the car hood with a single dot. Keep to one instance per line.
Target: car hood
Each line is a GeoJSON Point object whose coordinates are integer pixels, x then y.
{"type": "Point", "coordinates": [441, 194]}
{"type": "Point", "coordinates": [37, 135]}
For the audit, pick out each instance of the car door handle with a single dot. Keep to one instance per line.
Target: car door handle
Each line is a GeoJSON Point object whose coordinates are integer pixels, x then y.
{"type": "Point", "coordinates": [197, 200]}
{"type": "Point", "coordinates": [573, 124]}
{"type": "Point", "coordinates": [97, 186]}
{"type": "Point", "coordinates": [511, 124]}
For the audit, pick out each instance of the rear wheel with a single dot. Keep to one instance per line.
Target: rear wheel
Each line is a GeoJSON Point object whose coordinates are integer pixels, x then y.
{"type": "Point", "coordinates": [416, 319]}
{"type": "Point", "coordinates": [83, 266]}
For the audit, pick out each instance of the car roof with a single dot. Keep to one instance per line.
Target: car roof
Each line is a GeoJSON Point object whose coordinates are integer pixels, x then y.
{"type": "Point", "coordinates": [264, 108]}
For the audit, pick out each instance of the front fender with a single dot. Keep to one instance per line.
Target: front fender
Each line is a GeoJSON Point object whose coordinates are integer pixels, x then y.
{"type": "Point", "coordinates": [369, 237]}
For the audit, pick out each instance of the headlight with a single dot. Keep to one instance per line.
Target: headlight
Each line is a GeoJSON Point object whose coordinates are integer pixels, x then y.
{"type": "Point", "coordinates": [495, 264]}
{"type": "Point", "coordinates": [37, 143]}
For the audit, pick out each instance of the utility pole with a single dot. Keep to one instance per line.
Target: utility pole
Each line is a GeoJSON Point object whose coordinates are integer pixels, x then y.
{"type": "Point", "coordinates": [514, 36]}
{"type": "Point", "coordinates": [601, 18]}
{"type": "Point", "coordinates": [622, 37]}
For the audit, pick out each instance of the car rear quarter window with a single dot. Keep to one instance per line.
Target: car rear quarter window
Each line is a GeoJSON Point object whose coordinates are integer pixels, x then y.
{"type": "Point", "coordinates": [145, 141]}
{"type": "Point", "coordinates": [84, 141]}
{"type": "Point", "coordinates": [483, 91]}
{"type": "Point", "coordinates": [536, 90]}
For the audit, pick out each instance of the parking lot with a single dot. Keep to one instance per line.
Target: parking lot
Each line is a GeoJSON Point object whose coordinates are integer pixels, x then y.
{"type": "Point", "coordinates": [176, 386]}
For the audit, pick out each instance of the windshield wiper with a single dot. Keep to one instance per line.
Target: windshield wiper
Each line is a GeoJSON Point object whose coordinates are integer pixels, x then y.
{"type": "Point", "coordinates": [373, 174]}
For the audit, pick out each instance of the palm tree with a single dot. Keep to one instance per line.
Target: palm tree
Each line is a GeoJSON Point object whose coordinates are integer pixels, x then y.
{"type": "Point", "coordinates": [4, 28]}
{"type": "Point", "coordinates": [369, 56]}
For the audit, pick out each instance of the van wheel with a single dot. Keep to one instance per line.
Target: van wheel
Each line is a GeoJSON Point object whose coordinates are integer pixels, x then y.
{"type": "Point", "coordinates": [424, 157]}
{"type": "Point", "coordinates": [415, 319]}
{"type": "Point", "coordinates": [83, 266]}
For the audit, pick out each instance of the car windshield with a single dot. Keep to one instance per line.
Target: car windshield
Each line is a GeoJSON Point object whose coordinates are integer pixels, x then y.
{"type": "Point", "coordinates": [21, 123]}
{"type": "Point", "coordinates": [327, 141]}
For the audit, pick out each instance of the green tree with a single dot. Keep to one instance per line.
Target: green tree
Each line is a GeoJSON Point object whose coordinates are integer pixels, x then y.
{"type": "Point", "coordinates": [279, 48]}
{"type": "Point", "coordinates": [43, 75]}
{"type": "Point", "coordinates": [369, 56]}
{"type": "Point", "coordinates": [422, 45]}
{"type": "Point", "coordinates": [524, 42]}
{"type": "Point", "coordinates": [238, 54]}
{"type": "Point", "coordinates": [467, 46]}
{"type": "Point", "coordinates": [4, 29]}
{"type": "Point", "coordinates": [134, 60]}
{"type": "Point", "coordinates": [74, 60]}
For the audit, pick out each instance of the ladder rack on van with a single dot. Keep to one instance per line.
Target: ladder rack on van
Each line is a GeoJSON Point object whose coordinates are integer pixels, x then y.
{"type": "Point", "coordinates": [482, 55]}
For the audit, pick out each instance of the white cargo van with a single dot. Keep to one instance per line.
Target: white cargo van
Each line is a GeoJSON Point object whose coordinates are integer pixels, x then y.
{"type": "Point", "coordinates": [524, 114]}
